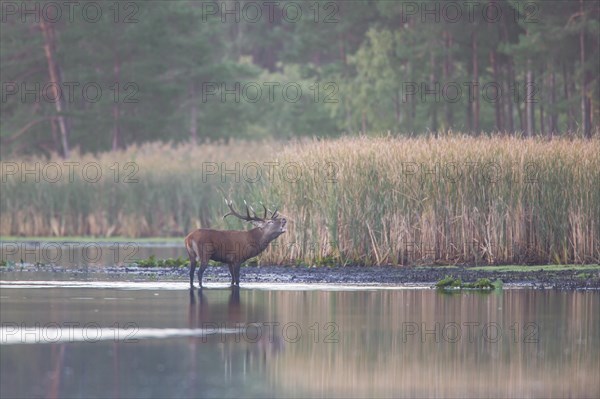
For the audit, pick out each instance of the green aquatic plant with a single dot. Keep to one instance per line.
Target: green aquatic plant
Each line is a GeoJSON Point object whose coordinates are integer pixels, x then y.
{"type": "Point", "coordinates": [151, 261]}
{"type": "Point", "coordinates": [449, 282]}
{"type": "Point", "coordinates": [328, 261]}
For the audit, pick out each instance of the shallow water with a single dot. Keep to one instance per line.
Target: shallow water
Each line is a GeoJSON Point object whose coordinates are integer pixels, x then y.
{"type": "Point", "coordinates": [157, 339]}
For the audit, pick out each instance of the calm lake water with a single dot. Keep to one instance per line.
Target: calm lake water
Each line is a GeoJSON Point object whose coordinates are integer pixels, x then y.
{"type": "Point", "coordinates": [62, 339]}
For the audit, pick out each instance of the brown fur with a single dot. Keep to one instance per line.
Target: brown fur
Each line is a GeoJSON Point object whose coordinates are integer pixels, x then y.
{"type": "Point", "coordinates": [232, 247]}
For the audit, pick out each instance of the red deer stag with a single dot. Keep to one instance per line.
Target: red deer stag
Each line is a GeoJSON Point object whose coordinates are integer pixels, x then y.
{"type": "Point", "coordinates": [232, 247]}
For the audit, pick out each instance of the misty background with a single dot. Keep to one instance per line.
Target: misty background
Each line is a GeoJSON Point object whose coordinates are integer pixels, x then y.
{"type": "Point", "coordinates": [101, 76]}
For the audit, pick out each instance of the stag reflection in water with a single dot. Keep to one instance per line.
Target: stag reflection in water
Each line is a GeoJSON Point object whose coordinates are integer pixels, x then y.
{"type": "Point", "coordinates": [244, 337]}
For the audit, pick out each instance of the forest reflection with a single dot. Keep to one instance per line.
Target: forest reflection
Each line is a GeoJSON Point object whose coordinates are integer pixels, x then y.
{"type": "Point", "coordinates": [257, 343]}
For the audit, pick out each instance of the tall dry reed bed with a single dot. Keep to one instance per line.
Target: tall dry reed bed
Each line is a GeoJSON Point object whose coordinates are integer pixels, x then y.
{"type": "Point", "coordinates": [152, 190]}
{"type": "Point", "coordinates": [358, 200]}
{"type": "Point", "coordinates": [406, 201]}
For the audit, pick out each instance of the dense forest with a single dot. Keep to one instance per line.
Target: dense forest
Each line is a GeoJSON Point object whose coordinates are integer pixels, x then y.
{"type": "Point", "coordinates": [98, 76]}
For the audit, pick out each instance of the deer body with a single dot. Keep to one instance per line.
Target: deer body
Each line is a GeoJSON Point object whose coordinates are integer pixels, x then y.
{"type": "Point", "coordinates": [232, 247]}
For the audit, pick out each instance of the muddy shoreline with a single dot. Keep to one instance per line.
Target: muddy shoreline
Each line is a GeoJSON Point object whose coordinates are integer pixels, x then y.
{"type": "Point", "coordinates": [537, 277]}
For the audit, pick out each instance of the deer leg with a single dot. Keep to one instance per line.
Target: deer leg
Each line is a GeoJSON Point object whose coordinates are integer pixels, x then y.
{"type": "Point", "coordinates": [232, 272]}
{"type": "Point", "coordinates": [203, 266]}
{"type": "Point", "coordinates": [192, 269]}
{"type": "Point", "coordinates": [236, 269]}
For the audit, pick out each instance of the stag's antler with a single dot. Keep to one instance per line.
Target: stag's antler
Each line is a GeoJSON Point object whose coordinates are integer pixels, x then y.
{"type": "Point", "coordinates": [273, 215]}
{"type": "Point", "coordinates": [247, 218]}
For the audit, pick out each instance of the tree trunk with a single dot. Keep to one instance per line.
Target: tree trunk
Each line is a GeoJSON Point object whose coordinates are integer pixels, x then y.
{"type": "Point", "coordinates": [510, 77]}
{"type": "Point", "coordinates": [49, 49]}
{"type": "Point", "coordinates": [573, 96]}
{"type": "Point", "coordinates": [116, 104]}
{"type": "Point", "coordinates": [567, 93]}
{"type": "Point", "coordinates": [542, 124]}
{"type": "Point", "coordinates": [193, 115]}
{"type": "Point", "coordinates": [495, 73]}
{"type": "Point", "coordinates": [529, 105]}
{"type": "Point", "coordinates": [413, 114]}
{"type": "Point", "coordinates": [364, 122]}
{"type": "Point", "coordinates": [543, 99]}
{"type": "Point", "coordinates": [552, 117]}
{"type": "Point", "coordinates": [434, 119]}
{"type": "Point", "coordinates": [398, 109]}
{"type": "Point", "coordinates": [410, 114]}
{"type": "Point", "coordinates": [447, 76]}
{"type": "Point", "coordinates": [342, 48]}
{"type": "Point", "coordinates": [55, 135]}
{"type": "Point", "coordinates": [586, 122]}
{"type": "Point", "coordinates": [475, 114]}
{"type": "Point", "coordinates": [522, 123]}
{"type": "Point", "coordinates": [498, 103]}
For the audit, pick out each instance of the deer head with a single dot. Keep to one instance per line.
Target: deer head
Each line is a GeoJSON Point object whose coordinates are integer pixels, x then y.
{"type": "Point", "coordinates": [271, 226]}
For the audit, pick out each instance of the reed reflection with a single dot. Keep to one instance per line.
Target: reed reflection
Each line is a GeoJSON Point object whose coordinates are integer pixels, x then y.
{"type": "Point", "coordinates": [420, 343]}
